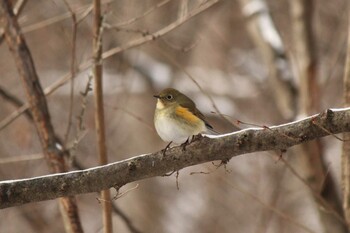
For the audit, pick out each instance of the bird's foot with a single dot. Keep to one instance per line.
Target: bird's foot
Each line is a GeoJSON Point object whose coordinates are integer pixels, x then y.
{"type": "Point", "coordinates": [196, 137]}
{"type": "Point", "coordinates": [183, 145]}
{"type": "Point", "coordinates": [166, 148]}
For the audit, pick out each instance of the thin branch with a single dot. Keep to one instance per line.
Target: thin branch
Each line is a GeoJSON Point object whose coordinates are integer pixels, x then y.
{"type": "Point", "coordinates": [147, 12]}
{"type": "Point", "coordinates": [17, 9]}
{"type": "Point", "coordinates": [133, 115]}
{"type": "Point", "coordinates": [120, 195]}
{"type": "Point", "coordinates": [80, 126]}
{"type": "Point", "coordinates": [128, 30]}
{"type": "Point", "coordinates": [183, 49]}
{"type": "Point", "coordinates": [206, 149]}
{"type": "Point", "coordinates": [53, 20]}
{"type": "Point", "coordinates": [99, 110]}
{"type": "Point", "coordinates": [21, 158]}
{"type": "Point", "coordinates": [49, 90]}
{"type": "Point", "coordinates": [72, 70]}
{"type": "Point", "coordinates": [82, 11]}
{"type": "Point", "coordinates": [183, 8]}
{"type": "Point", "coordinates": [13, 116]}
{"type": "Point", "coordinates": [19, 6]}
{"type": "Point", "coordinates": [15, 101]}
{"type": "Point", "coordinates": [161, 32]}
{"type": "Point", "coordinates": [345, 157]}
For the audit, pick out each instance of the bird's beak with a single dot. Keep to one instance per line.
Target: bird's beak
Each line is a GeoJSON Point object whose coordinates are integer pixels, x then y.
{"type": "Point", "coordinates": [156, 96]}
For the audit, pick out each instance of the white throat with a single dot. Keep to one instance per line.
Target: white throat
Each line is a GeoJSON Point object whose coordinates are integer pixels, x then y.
{"type": "Point", "coordinates": [160, 104]}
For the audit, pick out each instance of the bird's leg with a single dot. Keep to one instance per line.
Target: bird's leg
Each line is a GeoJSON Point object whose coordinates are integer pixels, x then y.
{"type": "Point", "coordinates": [167, 147]}
{"type": "Point", "coordinates": [185, 144]}
{"type": "Point", "coordinates": [188, 141]}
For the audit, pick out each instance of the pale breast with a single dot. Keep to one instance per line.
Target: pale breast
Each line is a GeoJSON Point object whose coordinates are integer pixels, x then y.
{"type": "Point", "coordinates": [171, 129]}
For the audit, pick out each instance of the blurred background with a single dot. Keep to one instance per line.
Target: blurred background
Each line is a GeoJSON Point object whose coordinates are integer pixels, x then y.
{"type": "Point", "coordinates": [260, 62]}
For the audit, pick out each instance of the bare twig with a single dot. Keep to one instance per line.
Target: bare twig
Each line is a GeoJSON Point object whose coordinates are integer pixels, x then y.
{"type": "Point", "coordinates": [21, 158]}
{"type": "Point", "coordinates": [13, 116]}
{"type": "Point", "coordinates": [80, 126]}
{"type": "Point", "coordinates": [266, 127]}
{"type": "Point", "coordinates": [119, 195]}
{"type": "Point", "coordinates": [72, 70]}
{"type": "Point", "coordinates": [224, 147]}
{"type": "Point", "coordinates": [161, 32]}
{"type": "Point", "coordinates": [183, 8]}
{"type": "Point", "coordinates": [133, 115]}
{"type": "Point", "coordinates": [335, 136]}
{"type": "Point", "coordinates": [14, 100]}
{"type": "Point", "coordinates": [345, 158]}
{"type": "Point", "coordinates": [80, 13]}
{"type": "Point", "coordinates": [99, 110]}
{"type": "Point", "coordinates": [52, 148]}
{"type": "Point", "coordinates": [116, 28]}
{"type": "Point", "coordinates": [147, 12]}
{"type": "Point", "coordinates": [55, 19]}
{"type": "Point", "coordinates": [183, 49]}
{"type": "Point", "coordinates": [16, 10]}
{"type": "Point", "coordinates": [49, 90]}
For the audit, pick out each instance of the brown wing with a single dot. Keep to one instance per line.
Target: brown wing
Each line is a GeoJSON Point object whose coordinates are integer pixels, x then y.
{"type": "Point", "coordinates": [190, 105]}
{"type": "Point", "coordinates": [201, 116]}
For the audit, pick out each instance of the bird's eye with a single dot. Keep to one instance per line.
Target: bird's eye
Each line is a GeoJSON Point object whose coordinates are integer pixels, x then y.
{"type": "Point", "coordinates": [169, 97]}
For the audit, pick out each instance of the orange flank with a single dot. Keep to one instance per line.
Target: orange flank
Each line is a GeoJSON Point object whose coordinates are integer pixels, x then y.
{"type": "Point", "coordinates": [187, 115]}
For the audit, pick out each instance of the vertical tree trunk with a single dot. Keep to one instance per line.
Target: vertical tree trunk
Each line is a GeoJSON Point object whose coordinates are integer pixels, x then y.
{"type": "Point", "coordinates": [345, 159]}
{"type": "Point", "coordinates": [269, 43]}
{"type": "Point", "coordinates": [310, 155]}
{"type": "Point", "coordinates": [99, 112]}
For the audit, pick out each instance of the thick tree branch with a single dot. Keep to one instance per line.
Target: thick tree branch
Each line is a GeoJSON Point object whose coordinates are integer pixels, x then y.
{"type": "Point", "coordinates": [223, 147]}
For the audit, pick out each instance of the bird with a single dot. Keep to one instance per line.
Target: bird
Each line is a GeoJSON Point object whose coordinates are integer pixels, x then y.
{"type": "Point", "coordinates": [177, 118]}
